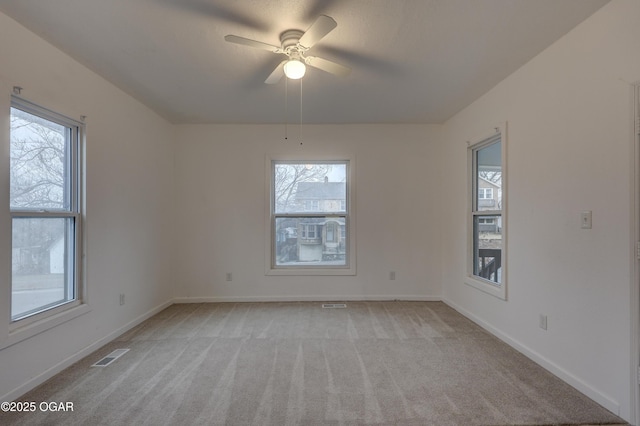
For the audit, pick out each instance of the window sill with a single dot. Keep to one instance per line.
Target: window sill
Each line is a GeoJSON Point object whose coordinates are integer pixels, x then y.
{"type": "Point", "coordinates": [311, 271]}
{"type": "Point", "coordinates": [496, 290]}
{"type": "Point", "coordinates": [19, 332]}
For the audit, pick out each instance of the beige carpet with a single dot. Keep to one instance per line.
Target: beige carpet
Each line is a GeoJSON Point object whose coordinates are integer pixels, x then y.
{"type": "Point", "coordinates": [373, 363]}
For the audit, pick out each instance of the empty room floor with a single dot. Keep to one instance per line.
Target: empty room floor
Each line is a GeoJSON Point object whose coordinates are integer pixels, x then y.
{"type": "Point", "coordinates": [297, 363]}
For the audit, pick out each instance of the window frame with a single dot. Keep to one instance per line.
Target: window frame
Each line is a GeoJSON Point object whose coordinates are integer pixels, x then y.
{"type": "Point", "coordinates": [499, 290]}
{"type": "Point", "coordinates": [46, 316]}
{"type": "Point", "coordinates": [349, 217]}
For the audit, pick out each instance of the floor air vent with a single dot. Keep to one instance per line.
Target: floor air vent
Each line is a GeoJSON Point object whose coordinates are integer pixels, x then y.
{"type": "Point", "coordinates": [110, 358]}
{"type": "Point", "coordinates": [334, 305]}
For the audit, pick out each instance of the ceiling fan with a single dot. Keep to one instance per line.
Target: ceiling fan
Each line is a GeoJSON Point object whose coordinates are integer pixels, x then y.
{"type": "Point", "coordinates": [294, 44]}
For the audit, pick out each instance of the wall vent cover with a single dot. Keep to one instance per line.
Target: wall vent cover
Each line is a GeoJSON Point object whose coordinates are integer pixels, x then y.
{"type": "Point", "coordinates": [334, 305]}
{"type": "Point", "coordinates": [110, 358]}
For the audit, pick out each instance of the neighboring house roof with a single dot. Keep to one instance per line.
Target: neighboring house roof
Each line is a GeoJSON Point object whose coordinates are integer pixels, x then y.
{"type": "Point", "coordinates": [321, 191]}
{"type": "Point", "coordinates": [497, 185]}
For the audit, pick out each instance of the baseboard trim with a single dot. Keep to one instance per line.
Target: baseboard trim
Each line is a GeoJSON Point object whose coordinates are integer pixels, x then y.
{"type": "Point", "coordinates": [335, 298]}
{"type": "Point", "coordinates": [550, 366]}
{"type": "Point", "coordinates": [88, 350]}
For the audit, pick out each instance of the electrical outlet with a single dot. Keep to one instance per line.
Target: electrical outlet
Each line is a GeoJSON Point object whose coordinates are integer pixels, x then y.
{"type": "Point", "coordinates": [229, 277]}
{"type": "Point", "coordinates": [392, 275]}
{"type": "Point", "coordinates": [121, 299]}
{"type": "Point", "coordinates": [543, 321]}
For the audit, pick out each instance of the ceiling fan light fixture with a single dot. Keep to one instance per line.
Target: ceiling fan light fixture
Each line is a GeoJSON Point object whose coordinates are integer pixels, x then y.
{"type": "Point", "coordinates": [294, 45]}
{"type": "Point", "coordinates": [294, 69]}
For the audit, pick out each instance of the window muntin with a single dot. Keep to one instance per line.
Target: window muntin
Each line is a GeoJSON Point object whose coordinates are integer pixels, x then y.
{"type": "Point", "coordinates": [487, 260]}
{"type": "Point", "coordinates": [45, 209]}
{"type": "Point", "coordinates": [310, 214]}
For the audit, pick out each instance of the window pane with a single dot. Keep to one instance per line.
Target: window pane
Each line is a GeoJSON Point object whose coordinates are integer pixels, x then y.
{"type": "Point", "coordinates": [39, 163]}
{"type": "Point", "coordinates": [41, 275]}
{"type": "Point", "coordinates": [315, 187]}
{"type": "Point", "coordinates": [487, 247]}
{"type": "Point", "coordinates": [310, 241]}
{"type": "Point", "coordinates": [489, 177]}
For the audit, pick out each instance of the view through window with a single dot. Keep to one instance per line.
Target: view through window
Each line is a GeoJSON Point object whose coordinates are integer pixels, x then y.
{"type": "Point", "coordinates": [487, 215]}
{"type": "Point", "coordinates": [45, 209]}
{"type": "Point", "coordinates": [310, 214]}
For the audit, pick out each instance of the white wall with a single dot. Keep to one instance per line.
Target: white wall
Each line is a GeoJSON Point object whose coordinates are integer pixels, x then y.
{"type": "Point", "coordinates": [569, 115]}
{"type": "Point", "coordinates": [129, 226]}
{"type": "Point", "coordinates": [221, 191]}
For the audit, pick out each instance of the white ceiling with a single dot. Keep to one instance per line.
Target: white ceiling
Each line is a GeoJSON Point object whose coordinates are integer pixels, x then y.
{"type": "Point", "coordinates": [413, 61]}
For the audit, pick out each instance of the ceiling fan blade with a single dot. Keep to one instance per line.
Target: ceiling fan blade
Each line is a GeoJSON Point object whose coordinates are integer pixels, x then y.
{"type": "Point", "coordinates": [318, 7]}
{"type": "Point", "coordinates": [328, 66]}
{"type": "Point", "coordinates": [277, 74]}
{"type": "Point", "coordinates": [320, 28]}
{"type": "Point", "coordinates": [206, 9]}
{"type": "Point", "coordinates": [252, 43]}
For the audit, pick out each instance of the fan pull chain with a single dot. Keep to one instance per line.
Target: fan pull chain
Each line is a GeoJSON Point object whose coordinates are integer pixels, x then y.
{"type": "Point", "coordinates": [300, 128]}
{"type": "Point", "coordinates": [286, 84]}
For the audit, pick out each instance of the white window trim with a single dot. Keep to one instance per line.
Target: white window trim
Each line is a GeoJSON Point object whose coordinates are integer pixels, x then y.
{"type": "Point", "coordinates": [31, 325]}
{"type": "Point", "coordinates": [498, 290]}
{"type": "Point", "coordinates": [350, 268]}
{"type": "Point", "coordinates": [36, 324]}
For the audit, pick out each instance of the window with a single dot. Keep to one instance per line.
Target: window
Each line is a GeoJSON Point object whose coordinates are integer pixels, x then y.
{"type": "Point", "coordinates": [486, 221]}
{"type": "Point", "coordinates": [487, 217]}
{"type": "Point", "coordinates": [310, 218]}
{"type": "Point", "coordinates": [308, 231]}
{"type": "Point", "coordinates": [44, 199]}
{"type": "Point", "coordinates": [312, 205]}
{"type": "Point", "coordinates": [331, 232]}
{"type": "Point", "coordinates": [485, 193]}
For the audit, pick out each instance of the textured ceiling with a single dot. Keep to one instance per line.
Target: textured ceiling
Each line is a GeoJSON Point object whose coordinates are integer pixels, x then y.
{"type": "Point", "coordinates": [413, 61]}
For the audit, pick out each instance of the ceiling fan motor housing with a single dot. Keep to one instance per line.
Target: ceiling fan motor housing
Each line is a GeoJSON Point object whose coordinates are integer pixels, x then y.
{"type": "Point", "coordinates": [289, 41]}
